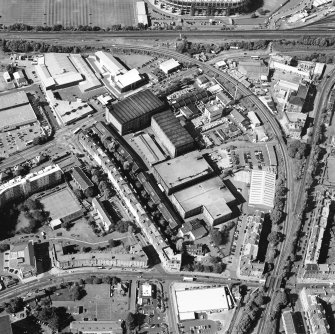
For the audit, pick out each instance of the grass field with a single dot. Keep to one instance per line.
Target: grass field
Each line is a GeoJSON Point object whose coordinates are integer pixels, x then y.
{"type": "Point", "coordinates": [102, 13]}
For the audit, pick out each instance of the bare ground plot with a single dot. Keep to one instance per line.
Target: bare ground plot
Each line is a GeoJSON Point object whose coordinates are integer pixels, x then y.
{"type": "Point", "coordinates": [272, 5]}
{"type": "Point", "coordinates": [100, 13]}
{"type": "Point", "coordinates": [133, 61]}
{"type": "Point", "coordinates": [96, 304]}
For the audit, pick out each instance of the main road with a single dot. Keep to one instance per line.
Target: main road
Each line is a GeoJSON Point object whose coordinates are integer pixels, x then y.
{"type": "Point", "coordinates": [76, 274]}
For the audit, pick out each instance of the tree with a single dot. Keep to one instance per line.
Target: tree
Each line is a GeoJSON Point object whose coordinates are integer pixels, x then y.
{"type": "Point", "coordinates": [14, 305]}
{"type": "Point", "coordinates": [31, 204]}
{"type": "Point", "coordinates": [97, 280]}
{"type": "Point", "coordinates": [77, 292]}
{"type": "Point", "coordinates": [216, 236]}
{"type": "Point", "coordinates": [107, 279]}
{"type": "Point", "coordinates": [259, 300]}
{"type": "Point", "coordinates": [274, 238]}
{"type": "Point", "coordinates": [179, 244]}
{"type": "Point", "coordinates": [276, 215]}
{"type": "Point", "coordinates": [107, 193]}
{"type": "Point", "coordinates": [113, 243]}
{"type": "Point", "coordinates": [67, 225]}
{"type": "Point", "coordinates": [89, 192]}
{"type": "Point", "coordinates": [79, 193]}
{"type": "Point", "coordinates": [131, 322]}
{"type": "Point", "coordinates": [4, 247]}
{"type": "Point", "coordinates": [95, 179]}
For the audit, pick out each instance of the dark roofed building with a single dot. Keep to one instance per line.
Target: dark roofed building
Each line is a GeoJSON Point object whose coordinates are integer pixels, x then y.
{"type": "Point", "coordinates": [134, 112]}
{"type": "Point", "coordinates": [297, 99]}
{"type": "Point", "coordinates": [194, 228]}
{"type": "Point", "coordinates": [80, 178]}
{"type": "Point", "coordinates": [171, 134]}
{"type": "Point", "coordinates": [5, 325]}
{"type": "Point", "coordinates": [169, 215]}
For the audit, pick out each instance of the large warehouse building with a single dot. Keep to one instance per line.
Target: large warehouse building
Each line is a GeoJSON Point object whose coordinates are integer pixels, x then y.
{"type": "Point", "coordinates": [173, 176]}
{"type": "Point", "coordinates": [203, 300]}
{"type": "Point", "coordinates": [57, 71]}
{"type": "Point", "coordinates": [206, 7]}
{"type": "Point", "coordinates": [15, 111]}
{"type": "Point", "coordinates": [171, 134]}
{"type": "Point", "coordinates": [262, 189]}
{"type": "Point", "coordinates": [121, 78]}
{"type": "Point", "coordinates": [210, 197]}
{"type": "Point", "coordinates": [134, 113]}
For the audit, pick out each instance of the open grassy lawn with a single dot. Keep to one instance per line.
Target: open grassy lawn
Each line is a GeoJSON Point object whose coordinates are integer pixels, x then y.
{"type": "Point", "coordinates": [100, 13]}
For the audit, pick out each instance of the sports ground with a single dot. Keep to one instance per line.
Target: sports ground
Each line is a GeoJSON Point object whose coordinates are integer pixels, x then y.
{"type": "Point", "coordinates": [102, 13]}
{"type": "Point", "coordinates": [61, 203]}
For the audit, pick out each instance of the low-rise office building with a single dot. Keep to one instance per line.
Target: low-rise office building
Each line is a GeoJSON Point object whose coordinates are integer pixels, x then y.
{"type": "Point", "coordinates": [104, 216]}
{"type": "Point", "coordinates": [108, 258]}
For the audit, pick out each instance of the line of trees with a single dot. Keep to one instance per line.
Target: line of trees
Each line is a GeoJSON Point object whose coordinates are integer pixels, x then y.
{"type": "Point", "coordinates": [185, 46]}
{"type": "Point", "coordinates": [59, 27]}
{"type": "Point", "coordinates": [251, 312]}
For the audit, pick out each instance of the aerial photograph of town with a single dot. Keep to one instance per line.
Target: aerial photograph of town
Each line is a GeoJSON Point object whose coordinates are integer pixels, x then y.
{"type": "Point", "coordinates": [167, 166]}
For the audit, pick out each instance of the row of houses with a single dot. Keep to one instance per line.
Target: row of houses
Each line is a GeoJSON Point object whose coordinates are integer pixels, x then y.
{"type": "Point", "coordinates": [169, 260]}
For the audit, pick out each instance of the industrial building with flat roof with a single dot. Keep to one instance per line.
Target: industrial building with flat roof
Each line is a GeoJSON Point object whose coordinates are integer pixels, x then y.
{"type": "Point", "coordinates": [262, 189]}
{"type": "Point", "coordinates": [120, 77]}
{"type": "Point", "coordinates": [134, 112]}
{"type": "Point", "coordinates": [202, 300]}
{"type": "Point", "coordinates": [57, 71]}
{"type": "Point", "coordinates": [210, 197]}
{"type": "Point", "coordinates": [169, 66]}
{"type": "Point", "coordinates": [171, 134]}
{"type": "Point", "coordinates": [15, 111]}
{"type": "Point", "coordinates": [181, 172]}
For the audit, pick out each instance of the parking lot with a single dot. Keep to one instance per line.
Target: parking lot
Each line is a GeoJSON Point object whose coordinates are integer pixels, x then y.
{"type": "Point", "coordinates": [18, 139]}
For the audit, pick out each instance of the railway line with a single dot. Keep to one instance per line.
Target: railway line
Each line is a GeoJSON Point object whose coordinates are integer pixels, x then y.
{"type": "Point", "coordinates": [162, 34]}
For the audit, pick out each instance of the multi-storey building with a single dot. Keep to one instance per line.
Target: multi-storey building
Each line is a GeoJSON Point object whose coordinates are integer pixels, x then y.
{"type": "Point", "coordinates": [205, 7]}
{"type": "Point", "coordinates": [21, 187]}
{"type": "Point", "coordinates": [127, 194]}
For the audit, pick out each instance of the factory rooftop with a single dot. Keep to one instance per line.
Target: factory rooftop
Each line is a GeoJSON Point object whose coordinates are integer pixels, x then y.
{"type": "Point", "coordinates": [135, 106]}
{"type": "Point", "coordinates": [174, 175]}
{"type": "Point", "coordinates": [172, 128]}
{"type": "Point", "coordinates": [202, 300]}
{"type": "Point", "coordinates": [211, 195]}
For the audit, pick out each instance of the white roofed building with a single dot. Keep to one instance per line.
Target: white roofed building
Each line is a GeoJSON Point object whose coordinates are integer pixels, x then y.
{"type": "Point", "coordinates": [120, 78]}
{"type": "Point", "coordinates": [254, 119]}
{"type": "Point", "coordinates": [20, 79]}
{"type": "Point", "coordinates": [202, 300]}
{"type": "Point", "coordinates": [169, 66]}
{"type": "Point", "coordinates": [141, 10]}
{"type": "Point", "coordinates": [262, 189]}
{"type": "Point", "coordinates": [7, 76]}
